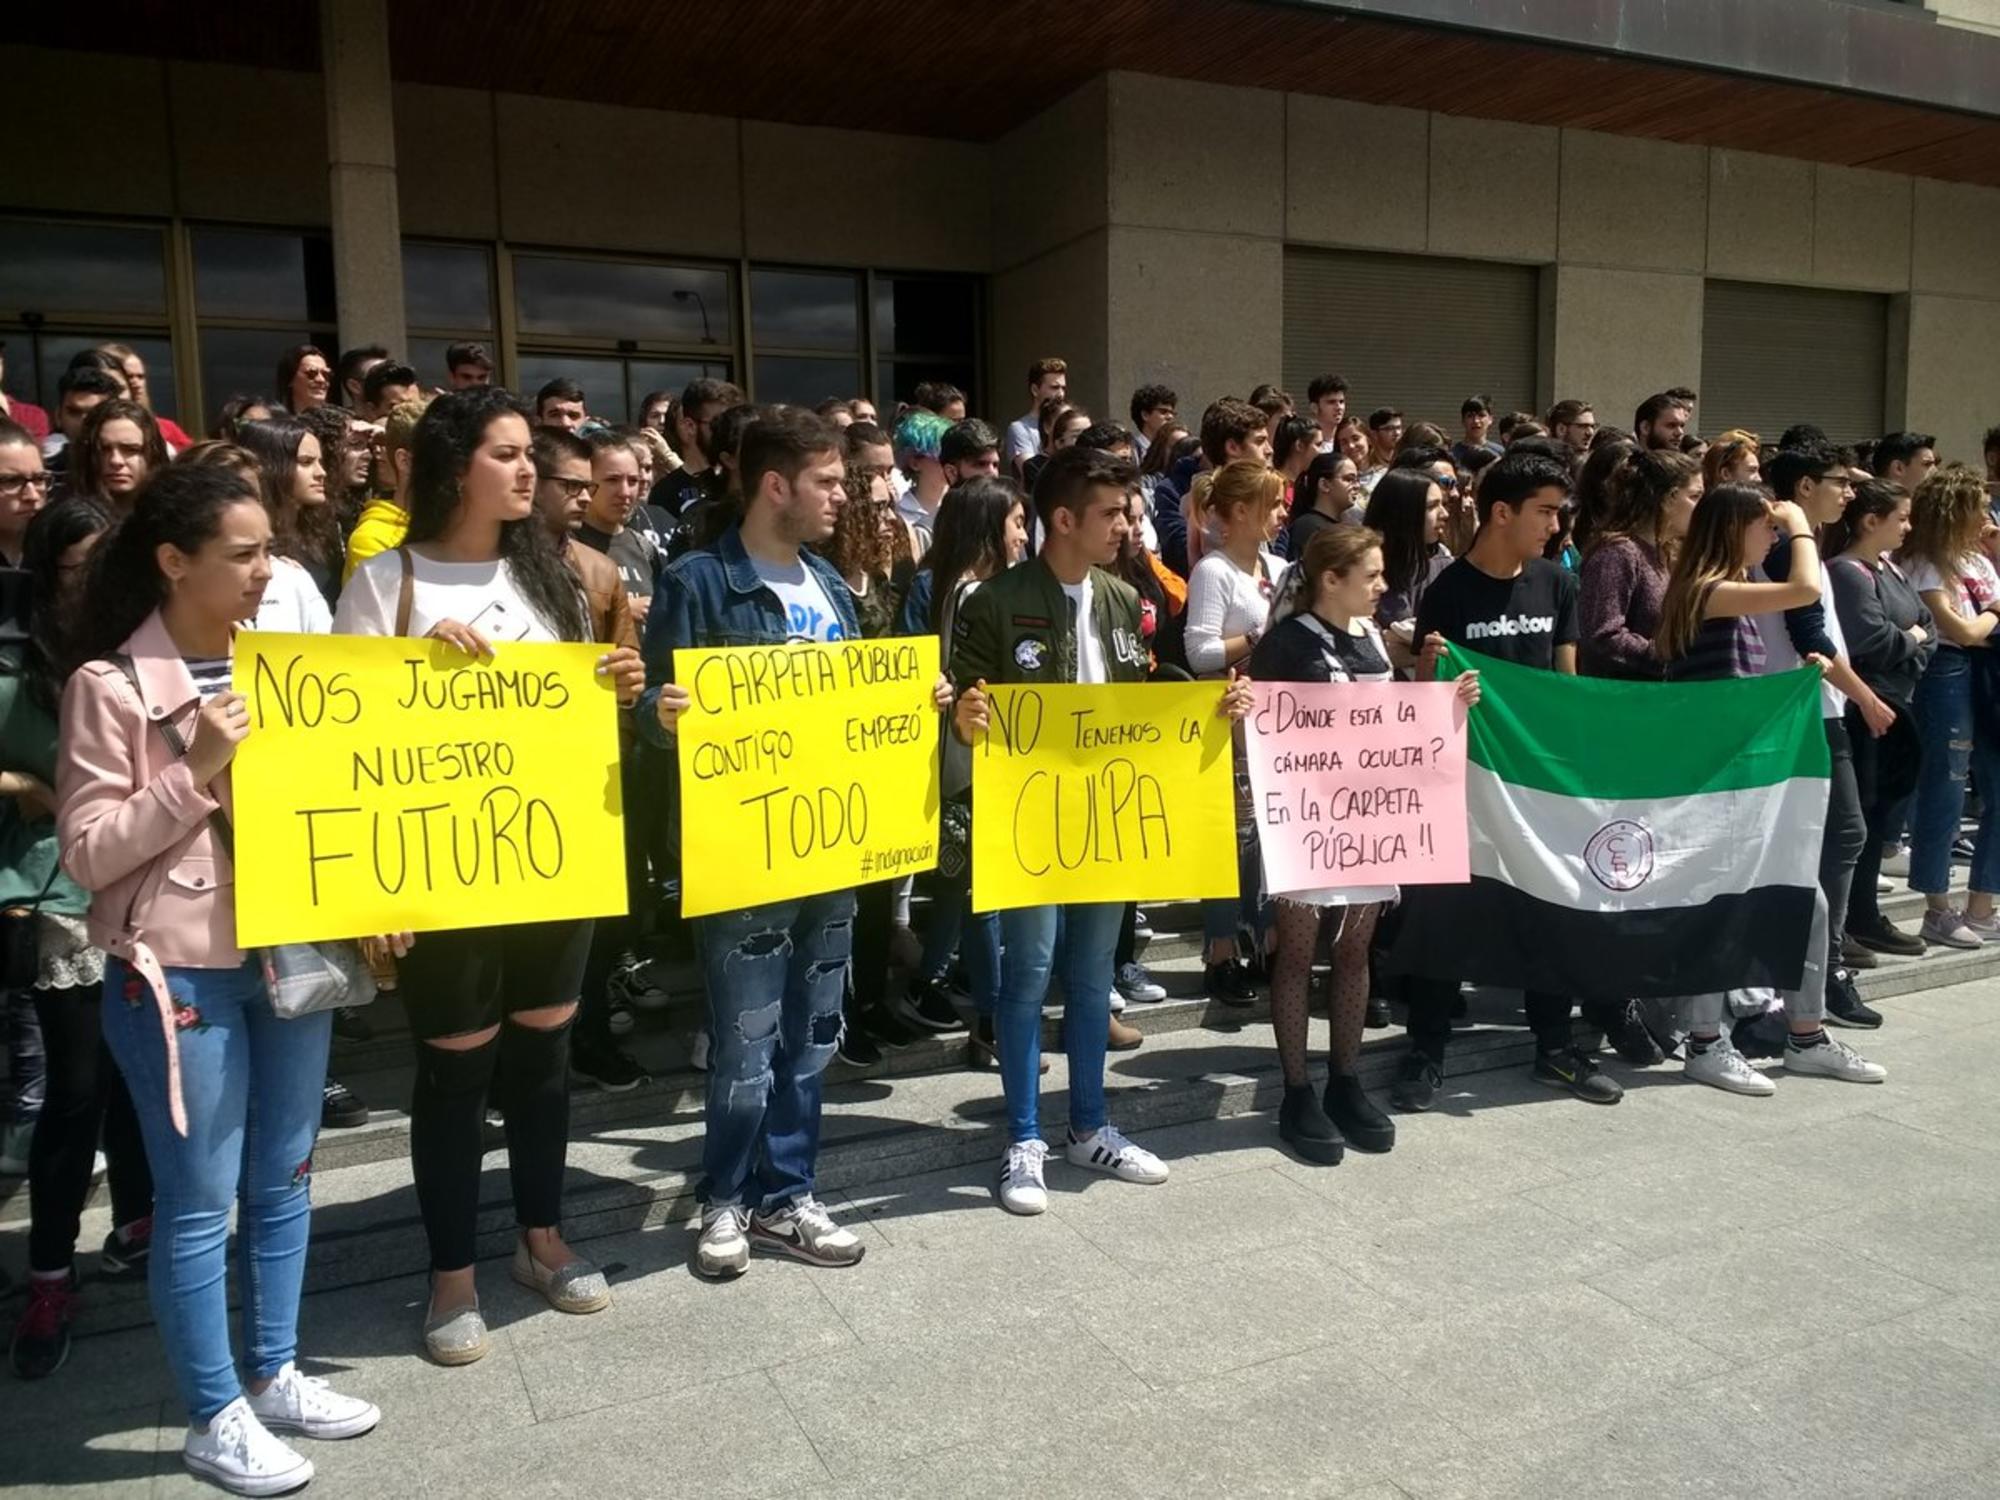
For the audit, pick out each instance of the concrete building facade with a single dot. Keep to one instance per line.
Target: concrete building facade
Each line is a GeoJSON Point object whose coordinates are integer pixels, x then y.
{"type": "Point", "coordinates": [1146, 227]}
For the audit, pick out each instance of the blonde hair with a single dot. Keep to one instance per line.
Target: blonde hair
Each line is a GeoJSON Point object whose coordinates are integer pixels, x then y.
{"type": "Point", "coordinates": [401, 424]}
{"type": "Point", "coordinates": [1947, 514]}
{"type": "Point", "coordinates": [1220, 493]}
{"type": "Point", "coordinates": [1724, 451]}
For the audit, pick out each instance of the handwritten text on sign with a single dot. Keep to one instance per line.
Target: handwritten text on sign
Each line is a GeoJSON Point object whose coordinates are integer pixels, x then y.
{"type": "Point", "coordinates": [1359, 783]}
{"type": "Point", "coordinates": [392, 785]}
{"type": "Point", "coordinates": [805, 769]}
{"type": "Point", "coordinates": [1120, 793]}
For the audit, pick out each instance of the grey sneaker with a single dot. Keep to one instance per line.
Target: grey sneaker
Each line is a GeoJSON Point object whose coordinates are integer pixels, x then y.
{"type": "Point", "coordinates": [1831, 1059]}
{"type": "Point", "coordinates": [1723, 1067]}
{"type": "Point", "coordinates": [722, 1252]}
{"type": "Point", "coordinates": [804, 1230]}
{"type": "Point", "coordinates": [1945, 926]}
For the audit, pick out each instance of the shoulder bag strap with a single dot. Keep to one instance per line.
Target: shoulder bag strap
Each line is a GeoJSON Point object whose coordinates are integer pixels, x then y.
{"type": "Point", "coordinates": [406, 591]}
{"type": "Point", "coordinates": [218, 820]}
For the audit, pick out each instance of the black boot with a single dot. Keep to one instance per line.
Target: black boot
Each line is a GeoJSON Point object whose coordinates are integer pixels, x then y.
{"type": "Point", "coordinates": [1350, 1108]}
{"type": "Point", "coordinates": [1303, 1124]}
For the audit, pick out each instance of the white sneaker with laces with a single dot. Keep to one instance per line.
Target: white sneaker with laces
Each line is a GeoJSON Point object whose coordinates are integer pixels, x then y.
{"type": "Point", "coordinates": [1134, 983]}
{"type": "Point", "coordinates": [309, 1406]}
{"type": "Point", "coordinates": [723, 1251]}
{"type": "Point", "coordinates": [1022, 1189]}
{"type": "Point", "coordinates": [1945, 926]}
{"type": "Point", "coordinates": [1831, 1059]}
{"type": "Point", "coordinates": [1109, 1151]}
{"type": "Point", "coordinates": [239, 1453]}
{"type": "Point", "coordinates": [1723, 1067]}
{"type": "Point", "coordinates": [805, 1231]}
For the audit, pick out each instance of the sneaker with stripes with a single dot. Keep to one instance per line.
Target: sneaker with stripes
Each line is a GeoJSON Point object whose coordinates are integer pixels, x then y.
{"type": "Point", "coordinates": [1108, 1151]}
{"type": "Point", "coordinates": [1022, 1190]}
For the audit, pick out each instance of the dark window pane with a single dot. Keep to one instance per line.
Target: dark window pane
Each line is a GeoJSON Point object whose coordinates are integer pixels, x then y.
{"type": "Point", "coordinates": [620, 300]}
{"type": "Point", "coordinates": [603, 381]}
{"type": "Point", "coordinates": [239, 275]}
{"type": "Point", "coordinates": [426, 357]}
{"type": "Point", "coordinates": [35, 364]}
{"type": "Point", "coordinates": [670, 375]}
{"type": "Point", "coordinates": [898, 379]}
{"type": "Point", "coordinates": [926, 315]}
{"type": "Point", "coordinates": [804, 310]}
{"type": "Point", "coordinates": [244, 362]}
{"type": "Point", "coordinates": [447, 286]}
{"type": "Point", "coordinates": [803, 380]}
{"type": "Point", "coordinates": [81, 268]}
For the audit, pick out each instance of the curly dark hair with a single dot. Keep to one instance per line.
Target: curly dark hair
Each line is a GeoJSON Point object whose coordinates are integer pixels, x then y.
{"type": "Point", "coordinates": [857, 544]}
{"type": "Point", "coordinates": [441, 450]}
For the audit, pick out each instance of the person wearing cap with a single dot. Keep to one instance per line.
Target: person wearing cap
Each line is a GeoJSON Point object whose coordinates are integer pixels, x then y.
{"type": "Point", "coordinates": [22, 413]}
{"type": "Point", "coordinates": [468, 364]}
{"type": "Point", "coordinates": [919, 442]}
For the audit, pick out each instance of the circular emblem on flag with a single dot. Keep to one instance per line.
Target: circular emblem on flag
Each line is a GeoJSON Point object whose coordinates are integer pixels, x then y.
{"type": "Point", "coordinates": [1620, 855]}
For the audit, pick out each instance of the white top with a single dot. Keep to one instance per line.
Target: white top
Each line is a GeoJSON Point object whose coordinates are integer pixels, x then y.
{"type": "Point", "coordinates": [1972, 586]}
{"type": "Point", "coordinates": [1781, 656]}
{"type": "Point", "coordinates": [1023, 440]}
{"type": "Point", "coordinates": [1223, 600]}
{"type": "Point", "coordinates": [1090, 664]}
{"type": "Point", "coordinates": [479, 594]}
{"type": "Point", "coordinates": [809, 613]}
{"type": "Point", "coordinates": [292, 601]}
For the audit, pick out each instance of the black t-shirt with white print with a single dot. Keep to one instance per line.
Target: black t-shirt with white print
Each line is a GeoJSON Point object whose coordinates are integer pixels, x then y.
{"type": "Point", "coordinates": [1521, 619]}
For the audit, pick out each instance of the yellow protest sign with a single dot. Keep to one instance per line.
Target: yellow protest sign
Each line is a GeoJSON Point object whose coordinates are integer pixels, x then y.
{"type": "Point", "coordinates": [393, 785]}
{"type": "Point", "coordinates": [1120, 793]}
{"type": "Point", "coordinates": [805, 768]}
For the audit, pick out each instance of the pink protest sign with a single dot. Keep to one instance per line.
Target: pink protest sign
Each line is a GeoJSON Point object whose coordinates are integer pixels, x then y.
{"type": "Point", "coordinates": [1358, 784]}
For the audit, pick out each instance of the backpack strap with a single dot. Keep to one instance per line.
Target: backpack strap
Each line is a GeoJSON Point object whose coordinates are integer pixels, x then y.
{"type": "Point", "coordinates": [406, 592]}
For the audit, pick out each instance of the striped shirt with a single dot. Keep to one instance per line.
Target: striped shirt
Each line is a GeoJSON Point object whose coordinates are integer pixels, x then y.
{"type": "Point", "coordinates": [210, 674]}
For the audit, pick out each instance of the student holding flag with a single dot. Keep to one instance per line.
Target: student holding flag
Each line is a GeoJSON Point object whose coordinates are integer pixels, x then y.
{"type": "Point", "coordinates": [1505, 600]}
{"type": "Point", "coordinates": [1708, 630]}
{"type": "Point", "coordinates": [1060, 617]}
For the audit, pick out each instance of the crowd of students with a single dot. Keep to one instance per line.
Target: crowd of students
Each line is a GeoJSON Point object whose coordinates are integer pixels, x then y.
{"type": "Point", "coordinates": [1266, 542]}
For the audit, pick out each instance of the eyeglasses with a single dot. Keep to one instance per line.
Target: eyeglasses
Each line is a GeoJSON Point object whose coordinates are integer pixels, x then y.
{"type": "Point", "coordinates": [14, 484]}
{"type": "Point", "coordinates": [573, 488]}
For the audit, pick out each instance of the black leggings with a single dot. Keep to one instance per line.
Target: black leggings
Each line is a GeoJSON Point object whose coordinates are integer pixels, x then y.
{"type": "Point", "coordinates": [874, 925]}
{"type": "Point", "coordinates": [447, 1118]}
{"type": "Point", "coordinates": [1431, 1002]}
{"type": "Point", "coordinates": [85, 1090]}
{"type": "Point", "coordinates": [1885, 773]}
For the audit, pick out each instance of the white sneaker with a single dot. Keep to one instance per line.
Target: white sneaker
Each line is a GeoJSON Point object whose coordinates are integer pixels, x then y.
{"type": "Point", "coordinates": [309, 1406]}
{"type": "Point", "coordinates": [1986, 929]}
{"type": "Point", "coordinates": [1896, 861]}
{"type": "Point", "coordinates": [1884, 885]}
{"type": "Point", "coordinates": [239, 1453]}
{"type": "Point", "coordinates": [1831, 1059]}
{"type": "Point", "coordinates": [1115, 1000]}
{"type": "Point", "coordinates": [1134, 983]}
{"type": "Point", "coordinates": [1022, 1190]}
{"type": "Point", "coordinates": [1723, 1067]}
{"type": "Point", "coordinates": [723, 1251]}
{"type": "Point", "coordinates": [1109, 1151]}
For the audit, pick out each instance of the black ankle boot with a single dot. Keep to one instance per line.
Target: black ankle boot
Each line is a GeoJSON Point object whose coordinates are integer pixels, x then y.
{"type": "Point", "coordinates": [1354, 1113]}
{"type": "Point", "coordinates": [1303, 1124]}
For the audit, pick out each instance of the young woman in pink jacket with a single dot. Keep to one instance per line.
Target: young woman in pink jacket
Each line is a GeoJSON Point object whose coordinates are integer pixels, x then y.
{"type": "Point", "coordinates": [227, 1094]}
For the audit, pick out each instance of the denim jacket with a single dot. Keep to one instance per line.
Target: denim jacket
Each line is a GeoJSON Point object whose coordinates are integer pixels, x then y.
{"type": "Point", "coordinates": [713, 597]}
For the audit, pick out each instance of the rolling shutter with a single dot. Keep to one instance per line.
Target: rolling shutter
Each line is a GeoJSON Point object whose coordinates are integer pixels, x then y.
{"type": "Point", "coordinates": [1775, 355]}
{"type": "Point", "coordinates": [1416, 332]}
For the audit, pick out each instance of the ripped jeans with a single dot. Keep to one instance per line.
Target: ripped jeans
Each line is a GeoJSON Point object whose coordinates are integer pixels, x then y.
{"type": "Point", "coordinates": [774, 976]}
{"type": "Point", "coordinates": [1953, 745]}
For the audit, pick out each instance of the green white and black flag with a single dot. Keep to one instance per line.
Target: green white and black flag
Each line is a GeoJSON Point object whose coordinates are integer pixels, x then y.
{"type": "Point", "coordinates": [1630, 839]}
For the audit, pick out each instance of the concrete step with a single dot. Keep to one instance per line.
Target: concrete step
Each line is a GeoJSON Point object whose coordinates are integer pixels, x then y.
{"type": "Point", "coordinates": [634, 1158]}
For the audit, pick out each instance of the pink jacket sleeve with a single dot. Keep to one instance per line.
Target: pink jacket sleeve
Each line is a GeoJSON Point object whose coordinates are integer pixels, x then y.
{"type": "Point", "coordinates": [111, 819]}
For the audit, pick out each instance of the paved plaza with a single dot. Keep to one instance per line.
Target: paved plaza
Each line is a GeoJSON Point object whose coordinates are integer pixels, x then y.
{"type": "Point", "coordinates": [1692, 1293]}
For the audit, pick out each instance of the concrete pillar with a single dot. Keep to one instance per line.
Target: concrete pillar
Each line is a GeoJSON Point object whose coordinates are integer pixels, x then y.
{"type": "Point", "coordinates": [361, 172]}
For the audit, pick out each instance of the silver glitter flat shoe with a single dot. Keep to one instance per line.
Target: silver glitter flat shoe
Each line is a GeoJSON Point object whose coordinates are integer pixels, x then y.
{"type": "Point", "coordinates": [576, 1286]}
{"type": "Point", "coordinates": [457, 1337]}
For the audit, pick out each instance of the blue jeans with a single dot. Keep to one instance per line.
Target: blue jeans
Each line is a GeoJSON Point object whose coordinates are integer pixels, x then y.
{"type": "Point", "coordinates": [1951, 747]}
{"type": "Point", "coordinates": [1089, 940]}
{"type": "Point", "coordinates": [953, 921]}
{"type": "Point", "coordinates": [252, 1085]}
{"type": "Point", "coordinates": [774, 976]}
